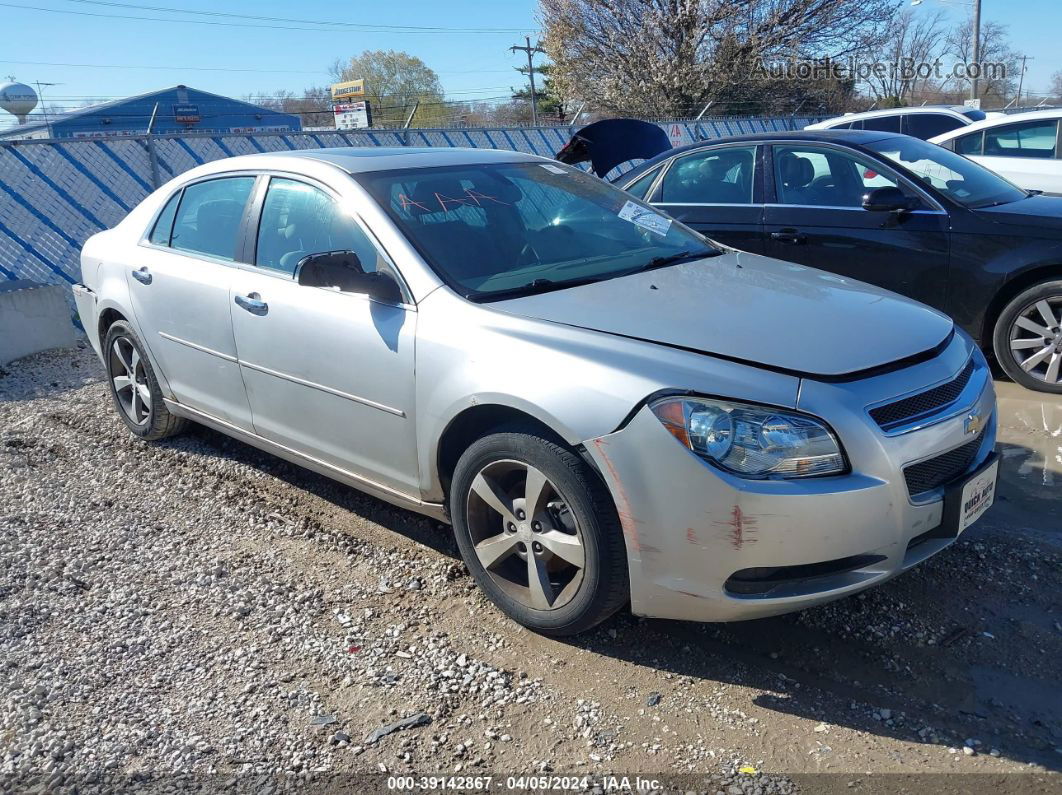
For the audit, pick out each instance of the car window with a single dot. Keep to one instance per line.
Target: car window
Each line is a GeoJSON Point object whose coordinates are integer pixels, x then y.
{"type": "Point", "coordinates": [929, 125]}
{"type": "Point", "coordinates": [883, 123]}
{"type": "Point", "coordinates": [824, 177]}
{"type": "Point", "coordinates": [641, 185]}
{"type": "Point", "coordinates": [160, 234]}
{"type": "Point", "coordinates": [969, 144]}
{"type": "Point", "coordinates": [492, 230]}
{"type": "Point", "coordinates": [298, 220]}
{"type": "Point", "coordinates": [209, 216]}
{"type": "Point", "coordinates": [960, 179]}
{"type": "Point", "coordinates": [714, 176]}
{"type": "Point", "coordinates": [1028, 139]}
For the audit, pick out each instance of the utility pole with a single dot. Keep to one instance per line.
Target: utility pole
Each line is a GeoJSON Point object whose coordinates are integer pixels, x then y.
{"type": "Point", "coordinates": [1021, 78]}
{"type": "Point", "coordinates": [530, 73]}
{"type": "Point", "coordinates": [976, 48]}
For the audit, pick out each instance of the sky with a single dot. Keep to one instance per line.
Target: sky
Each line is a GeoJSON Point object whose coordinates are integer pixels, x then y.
{"type": "Point", "coordinates": [92, 49]}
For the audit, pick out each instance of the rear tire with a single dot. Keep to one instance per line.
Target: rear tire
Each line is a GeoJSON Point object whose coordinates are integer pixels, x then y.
{"type": "Point", "coordinates": [134, 387]}
{"type": "Point", "coordinates": [569, 536]}
{"type": "Point", "coordinates": [1027, 339]}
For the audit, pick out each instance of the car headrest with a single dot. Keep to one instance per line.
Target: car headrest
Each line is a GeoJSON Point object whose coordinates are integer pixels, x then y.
{"type": "Point", "coordinates": [216, 217]}
{"type": "Point", "coordinates": [797, 171]}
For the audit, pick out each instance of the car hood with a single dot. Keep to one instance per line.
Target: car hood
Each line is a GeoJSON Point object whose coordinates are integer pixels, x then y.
{"type": "Point", "coordinates": [752, 309]}
{"type": "Point", "coordinates": [1042, 212]}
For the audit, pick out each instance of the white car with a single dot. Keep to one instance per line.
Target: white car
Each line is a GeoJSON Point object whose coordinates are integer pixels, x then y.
{"type": "Point", "coordinates": [1023, 147]}
{"type": "Point", "coordinates": [921, 122]}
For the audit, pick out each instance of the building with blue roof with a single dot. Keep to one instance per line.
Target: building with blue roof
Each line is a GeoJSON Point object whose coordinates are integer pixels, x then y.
{"type": "Point", "coordinates": [176, 110]}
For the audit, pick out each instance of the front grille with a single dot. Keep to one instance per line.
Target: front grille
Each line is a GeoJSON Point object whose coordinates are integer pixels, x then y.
{"type": "Point", "coordinates": [892, 414]}
{"type": "Point", "coordinates": [932, 474]}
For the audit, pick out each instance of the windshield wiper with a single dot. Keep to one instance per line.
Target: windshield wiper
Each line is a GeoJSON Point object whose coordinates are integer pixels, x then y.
{"type": "Point", "coordinates": [534, 287]}
{"type": "Point", "coordinates": [680, 256]}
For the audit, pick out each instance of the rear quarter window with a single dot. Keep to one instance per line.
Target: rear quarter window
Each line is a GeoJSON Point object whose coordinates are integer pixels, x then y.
{"type": "Point", "coordinates": [160, 233]}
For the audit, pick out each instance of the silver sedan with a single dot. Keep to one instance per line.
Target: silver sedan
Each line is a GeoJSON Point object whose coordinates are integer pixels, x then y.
{"type": "Point", "coordinates": [608, 407]}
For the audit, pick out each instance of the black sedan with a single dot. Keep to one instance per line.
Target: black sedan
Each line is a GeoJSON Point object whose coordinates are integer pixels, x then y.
{"type": "Point", "coordinates": [890, 210]}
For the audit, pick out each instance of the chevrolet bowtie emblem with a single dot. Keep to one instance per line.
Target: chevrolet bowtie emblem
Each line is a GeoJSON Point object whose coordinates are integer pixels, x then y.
{"type": "Point", "coordinates": [973, 423]}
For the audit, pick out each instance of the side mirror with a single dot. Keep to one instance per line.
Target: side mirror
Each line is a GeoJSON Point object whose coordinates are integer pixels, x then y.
{"type": "Point", "coordinates": [887, 200]}
{"type": "Point", "coordinates": [342, 270]}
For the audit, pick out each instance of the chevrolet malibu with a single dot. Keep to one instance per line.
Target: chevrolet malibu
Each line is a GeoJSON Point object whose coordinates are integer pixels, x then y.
{"type": "Point", "coordinates": [608, 407]}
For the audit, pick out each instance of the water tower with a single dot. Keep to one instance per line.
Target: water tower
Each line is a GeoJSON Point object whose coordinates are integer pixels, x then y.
{"type": "Point", "coordinates": [18, 99]}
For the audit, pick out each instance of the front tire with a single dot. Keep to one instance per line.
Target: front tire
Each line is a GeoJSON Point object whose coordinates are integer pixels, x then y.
{"type": "Point", "coordinates": [134, 387]}
{"type": "Point", "coordinates": [1028, 338]}
{"type": "Point", "coordinates": [539, 533]}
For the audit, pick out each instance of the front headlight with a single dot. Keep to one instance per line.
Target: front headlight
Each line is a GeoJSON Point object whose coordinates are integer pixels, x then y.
{"type": "Point", "coordinates": [752, 441]}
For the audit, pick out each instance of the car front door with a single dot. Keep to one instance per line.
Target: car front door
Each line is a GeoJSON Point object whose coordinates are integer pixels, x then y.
{"type": "Point", "coordinates": [179, 290]}
{"type": "Point", "coordinates": [815, 217]}
{"type": "Point", "coordinates": [328, 373]}
{"type": "Point", "coordinates": [717, 191]}
{"type": "Point", "coordinates": [1026, 153]}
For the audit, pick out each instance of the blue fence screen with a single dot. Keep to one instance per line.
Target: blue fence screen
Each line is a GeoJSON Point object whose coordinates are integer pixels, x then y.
{"type": "Point", "coordinates": [54, 194]}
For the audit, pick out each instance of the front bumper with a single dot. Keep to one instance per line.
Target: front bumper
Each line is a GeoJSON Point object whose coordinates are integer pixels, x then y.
{"type": "Point", "coordinates": [700, 541]}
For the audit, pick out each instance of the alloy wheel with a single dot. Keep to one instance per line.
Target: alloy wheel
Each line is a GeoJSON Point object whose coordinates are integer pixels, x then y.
{"type": "Point", "coordinates": [1036, 340]}
{"type": "Point", "coordinates": [130, 381]}
{"type": "Point", "coordinates": [524, 534]}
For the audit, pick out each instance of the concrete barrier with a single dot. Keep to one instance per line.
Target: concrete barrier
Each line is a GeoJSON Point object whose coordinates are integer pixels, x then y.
{"type": "Point", "coordinates": [33, 317]}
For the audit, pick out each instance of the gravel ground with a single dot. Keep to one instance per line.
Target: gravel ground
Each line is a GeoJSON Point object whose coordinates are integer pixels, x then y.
{"type": "Point", "coordinates": [198, 607]}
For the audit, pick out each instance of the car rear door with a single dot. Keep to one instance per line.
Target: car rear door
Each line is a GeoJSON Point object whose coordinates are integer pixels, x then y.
{"type": "Point", "coordinates": [179, 289]}
{"type": "Point", "coordinates": [814, 216]}
{"type": "Point", "coordinates": [718, 191]}
{"type": "Point", "coordinates": [328, 373]}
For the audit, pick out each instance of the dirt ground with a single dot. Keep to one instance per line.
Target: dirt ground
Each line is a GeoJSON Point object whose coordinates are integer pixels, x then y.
{"type": "Point", "coordinates": [286, 617]}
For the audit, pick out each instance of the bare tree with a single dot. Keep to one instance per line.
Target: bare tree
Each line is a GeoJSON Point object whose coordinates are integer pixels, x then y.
{"type": "Point", "coordinates": [312, 107]}
{"type": "Point", "coordinates": [1002, 63]}
{"type": "Point", "coordinates": [913, 39]}
{"type": "Point", "coordinates": [1055, 91]}
{"type": "Point", "coordinates": [660, 57]}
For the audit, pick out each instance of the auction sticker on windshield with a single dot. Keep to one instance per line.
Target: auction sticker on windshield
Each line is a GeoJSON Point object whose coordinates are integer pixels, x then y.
{"type": "Point", "coordinates": [977, 496]}
{"type": "Point", "coordinates": [647, 219]}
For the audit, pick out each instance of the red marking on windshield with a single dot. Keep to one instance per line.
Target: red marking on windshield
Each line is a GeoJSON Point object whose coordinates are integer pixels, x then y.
{"type": "Point", "coordinates": [407, 202]}
{"type": "Point", "coordinates": [476, 196]}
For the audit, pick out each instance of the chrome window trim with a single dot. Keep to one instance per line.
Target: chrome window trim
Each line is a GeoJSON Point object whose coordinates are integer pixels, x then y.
{"type": "Point", "coordinates": [836, 207]}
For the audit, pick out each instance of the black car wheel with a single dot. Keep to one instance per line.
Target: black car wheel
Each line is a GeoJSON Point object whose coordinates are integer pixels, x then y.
{"type": "Point", "coordinates": [1028, 337]}
{"type": "Point", "coordinates": [133, 385]}
{"type": "Point", "coordinates": [538, 531]}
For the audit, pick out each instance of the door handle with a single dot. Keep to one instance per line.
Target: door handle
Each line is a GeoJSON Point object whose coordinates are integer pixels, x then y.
{"type": "Point", "coordinates": [253, 303]}
{"type": "Point", "coordinates": [789, 236]}
{"type": "Point", "coordinates": [143, 275]}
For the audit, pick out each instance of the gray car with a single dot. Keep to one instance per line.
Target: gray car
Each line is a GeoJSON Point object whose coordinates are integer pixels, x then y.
{"type": "Point", "coordinates": [607, 406]}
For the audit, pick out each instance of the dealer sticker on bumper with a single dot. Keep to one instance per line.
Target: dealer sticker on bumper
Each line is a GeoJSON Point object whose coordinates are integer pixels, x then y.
{"type": "Point", "coordinates": [977, 496]}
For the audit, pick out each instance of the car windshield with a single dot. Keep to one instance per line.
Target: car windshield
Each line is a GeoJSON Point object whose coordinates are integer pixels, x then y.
{"type": "Point", "coordinates": [953, 175]}
{"type": "Point", "coordinates": [503, 229]}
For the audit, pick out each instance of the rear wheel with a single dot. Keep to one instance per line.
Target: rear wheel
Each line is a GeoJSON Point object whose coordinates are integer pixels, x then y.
{"type": "Point", "coordinates": [134, 388]}
{"type": "Point", "coordinates": [539, 533]}
{"type": "Point", "coordinates": [1028, 338]}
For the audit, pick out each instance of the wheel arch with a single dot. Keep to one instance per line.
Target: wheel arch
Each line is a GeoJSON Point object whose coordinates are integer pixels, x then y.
{"type": "Point", "coordinates": [478, 420]}
{"type": "Point", "coordinates": [1008, 291]}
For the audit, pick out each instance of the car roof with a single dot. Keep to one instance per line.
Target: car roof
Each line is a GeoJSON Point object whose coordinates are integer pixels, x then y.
{"type": "Point", "coordinates": [958, 110]}
{"type": "Point", "coordinates": [996, 121]}
{"type": "Point", "coordinates": [357, 160]}
{"type": "Point", "coordinates": [857, 137]}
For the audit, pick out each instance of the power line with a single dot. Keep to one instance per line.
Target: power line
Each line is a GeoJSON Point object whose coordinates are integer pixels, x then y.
{"type": "Point", "coordinates": [356, 25]}
{"type": "Point", "coordinates": [333, 29]}
{"type": "Point", "coordinates": [175, 68]}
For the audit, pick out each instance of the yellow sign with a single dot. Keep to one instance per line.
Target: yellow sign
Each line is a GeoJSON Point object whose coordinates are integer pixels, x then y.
{"type": "Point", "coordinates": [351, 88]}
